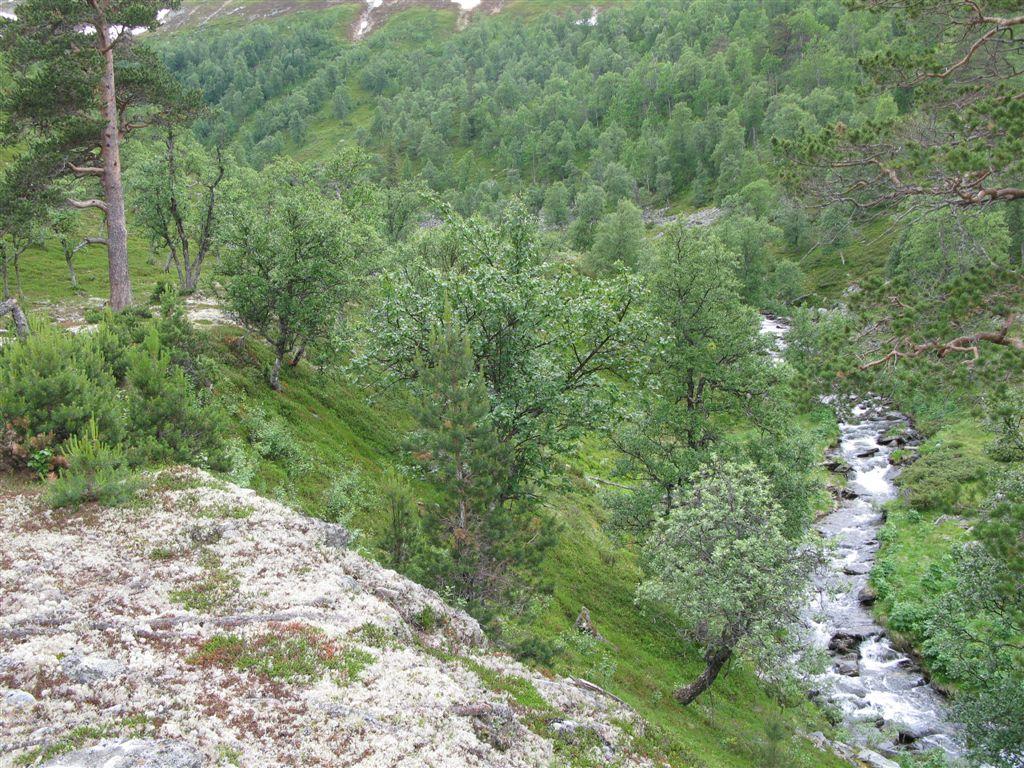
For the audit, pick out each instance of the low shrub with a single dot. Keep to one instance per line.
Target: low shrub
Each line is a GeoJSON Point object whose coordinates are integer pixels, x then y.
{"type": "Point", "coordinates": [96, 472]}
{"type": "Point", "coordinates": [56, 383]}
{"type": "Point", "coordinates": [131, 379]}
{"type": "Point", "coordinates": [167, 420]}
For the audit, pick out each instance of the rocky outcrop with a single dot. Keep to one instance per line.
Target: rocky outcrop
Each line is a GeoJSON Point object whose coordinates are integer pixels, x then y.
{"type": "Point", "coordinates": [206, 625]}
{"type": "Point", "coordinates": [132, 753]}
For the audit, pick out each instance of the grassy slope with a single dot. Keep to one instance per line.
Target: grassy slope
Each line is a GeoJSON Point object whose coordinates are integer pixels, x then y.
{"type": "Point", "coordinates": [44, 274]}
{"type": "Point", "coordinates": [939, 493]}
{"type": "Point", "coordinates": [337, 427]}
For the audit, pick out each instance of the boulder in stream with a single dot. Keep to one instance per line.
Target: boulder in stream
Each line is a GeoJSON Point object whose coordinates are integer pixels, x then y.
{"type": "Point", "coordinates": [846, 642]}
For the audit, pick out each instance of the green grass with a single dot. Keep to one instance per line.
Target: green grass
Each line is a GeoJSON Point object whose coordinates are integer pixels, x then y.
{"type": "Point", "coordinates": [44, 274]}
{"type": "Point", "coordinates": [940, 492]}
{"type": "Point", "coordinates": [832, 269]}
{"type": "Point", "coordinates": [212, 591]}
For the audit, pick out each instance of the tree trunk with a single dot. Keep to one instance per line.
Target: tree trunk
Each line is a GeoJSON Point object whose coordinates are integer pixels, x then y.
{"type": "Point", "coordinates": [275, 371]}
{"type": "Point", "coordinates": [10, 307]}
{"type": "Point", "coordinates": [716, 659]}
{"type": "Point", "coordinates": [3, 273]}
{"type": "Point", "coordinates": [113, 191]}
{"type": "Point", "coordinates": [68, 254]}
{"type": "Point", "coordinates": [17, 273]}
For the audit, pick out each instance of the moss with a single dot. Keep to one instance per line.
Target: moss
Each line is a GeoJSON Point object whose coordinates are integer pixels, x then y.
{"type": "Point", "coordinates": [226, 513]}
{"type": "Point", "coordinates": [213, 590]}
{"type": "Point", "coordinates": [521, 690]}
{"type": "Point", "coordinates": [292, 652]}
{"type": "Point", "coordinates": [134, 726]}
{"type": "Point", "coordinates": [163, 553]}
{"type": "Point", "coordinates": [375, 635]}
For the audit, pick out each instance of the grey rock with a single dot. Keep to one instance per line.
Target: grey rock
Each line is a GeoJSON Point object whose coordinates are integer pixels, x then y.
{"type": "Point", "coordinates": [847, 667]}
{"type": "Point", "coordinates": [875, 760]}
{"type": "Point", "coordinates": [908, 734]}
{"type": "Point", "coordinates": [336, 536]}
{"type": "Point", "coordinates": [132, 753]}
{"type": "Point", "coordinates": [857, 569]}
{"type": "Point", "coordinates": [846, 642]}
{"type": "Point", "coordinates": [19, 699]}
{"type": "Point", "coordinates": [206, 534]}
{"type": "Point", "coordinates": [89, 669]}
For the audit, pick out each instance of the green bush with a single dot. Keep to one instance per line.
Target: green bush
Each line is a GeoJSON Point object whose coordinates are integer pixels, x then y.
{"type": "Point", "coordinates": [55, 383]}
{"type": "Point", "coordinates": [167, 421]}
{"type": "Point", "coordinates": [134, 382]}
{"type": "Point", "coordinates": [96, 472]}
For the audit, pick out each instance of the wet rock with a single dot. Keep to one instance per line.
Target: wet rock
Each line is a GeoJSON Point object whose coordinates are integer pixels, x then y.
{"type": "Point", "coordinates": [854, 687]}
{"type": "Point", "coordinates": [132, 753]}
{"type": "Point", "coordinates": [875, 760]}
{"type": "Point", "coordinates": [868, 453]}
{"type": "Point", "coordinates": [857, 569]}
{"type": "Point", "coordinates": [908, 734]}
{"type": "Point", "coordinates": [867, 596]}
{"type": "Point", "coordinates": [849, 494]}
{"type": "Point", "coordinates": [847, 667]}
{"type": "Point", "coordinates": [89, 669]}
{"type": "Point", "coordinates": [837, 464]}
{"type": "Point", "coordinates": [845, 643]}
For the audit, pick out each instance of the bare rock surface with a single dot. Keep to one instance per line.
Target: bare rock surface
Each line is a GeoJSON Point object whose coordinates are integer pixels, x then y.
{"type": "Point", "coordinates": [206, 625]}
{"type": "Point", "coordinates": [132, 753]}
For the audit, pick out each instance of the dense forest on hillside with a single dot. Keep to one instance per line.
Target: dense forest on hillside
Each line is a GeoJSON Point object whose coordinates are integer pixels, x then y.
{"type": "Point", "coordinates": [501, 301]}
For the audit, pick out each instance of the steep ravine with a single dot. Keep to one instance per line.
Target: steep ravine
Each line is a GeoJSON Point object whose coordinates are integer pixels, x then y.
{"type": "Point", "coordinates": [884, 697]}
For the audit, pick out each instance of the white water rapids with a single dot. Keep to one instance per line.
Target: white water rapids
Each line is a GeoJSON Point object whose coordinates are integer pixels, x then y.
{"type": "Point", "coordinates": [875, 685]}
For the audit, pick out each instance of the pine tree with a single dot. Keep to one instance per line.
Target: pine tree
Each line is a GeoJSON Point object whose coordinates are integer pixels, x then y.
{"type": "Point", "coordinates": [74, 97]}
{"type": "Point", "coordinates": [487, 537]}
{"type": "Point", "coordinates": [403, 536]}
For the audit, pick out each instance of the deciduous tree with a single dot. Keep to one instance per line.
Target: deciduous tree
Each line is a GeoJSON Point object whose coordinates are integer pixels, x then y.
{"type": "Point", "coordinates": [722, 564]}
{"type": "Point", "coordinates": [285, 262]}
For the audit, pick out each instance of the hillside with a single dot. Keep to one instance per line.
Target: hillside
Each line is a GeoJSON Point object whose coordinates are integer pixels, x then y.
{"type": "Point", "coordinates": [209, 626]}
{"type": "Point", "coordinates": [533, 383]}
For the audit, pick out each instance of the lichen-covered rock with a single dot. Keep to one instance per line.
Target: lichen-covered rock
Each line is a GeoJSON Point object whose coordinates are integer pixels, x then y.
{"type": "Point", "coordinates": [132, 753]}
{"type": "Point", "coordinates": [89, 669]}
{"type": "Point", "coordinates": [208, 621]}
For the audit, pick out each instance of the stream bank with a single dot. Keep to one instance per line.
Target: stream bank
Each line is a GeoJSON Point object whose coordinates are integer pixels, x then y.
{"type": "Point", "coordinates": [885, 699]}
